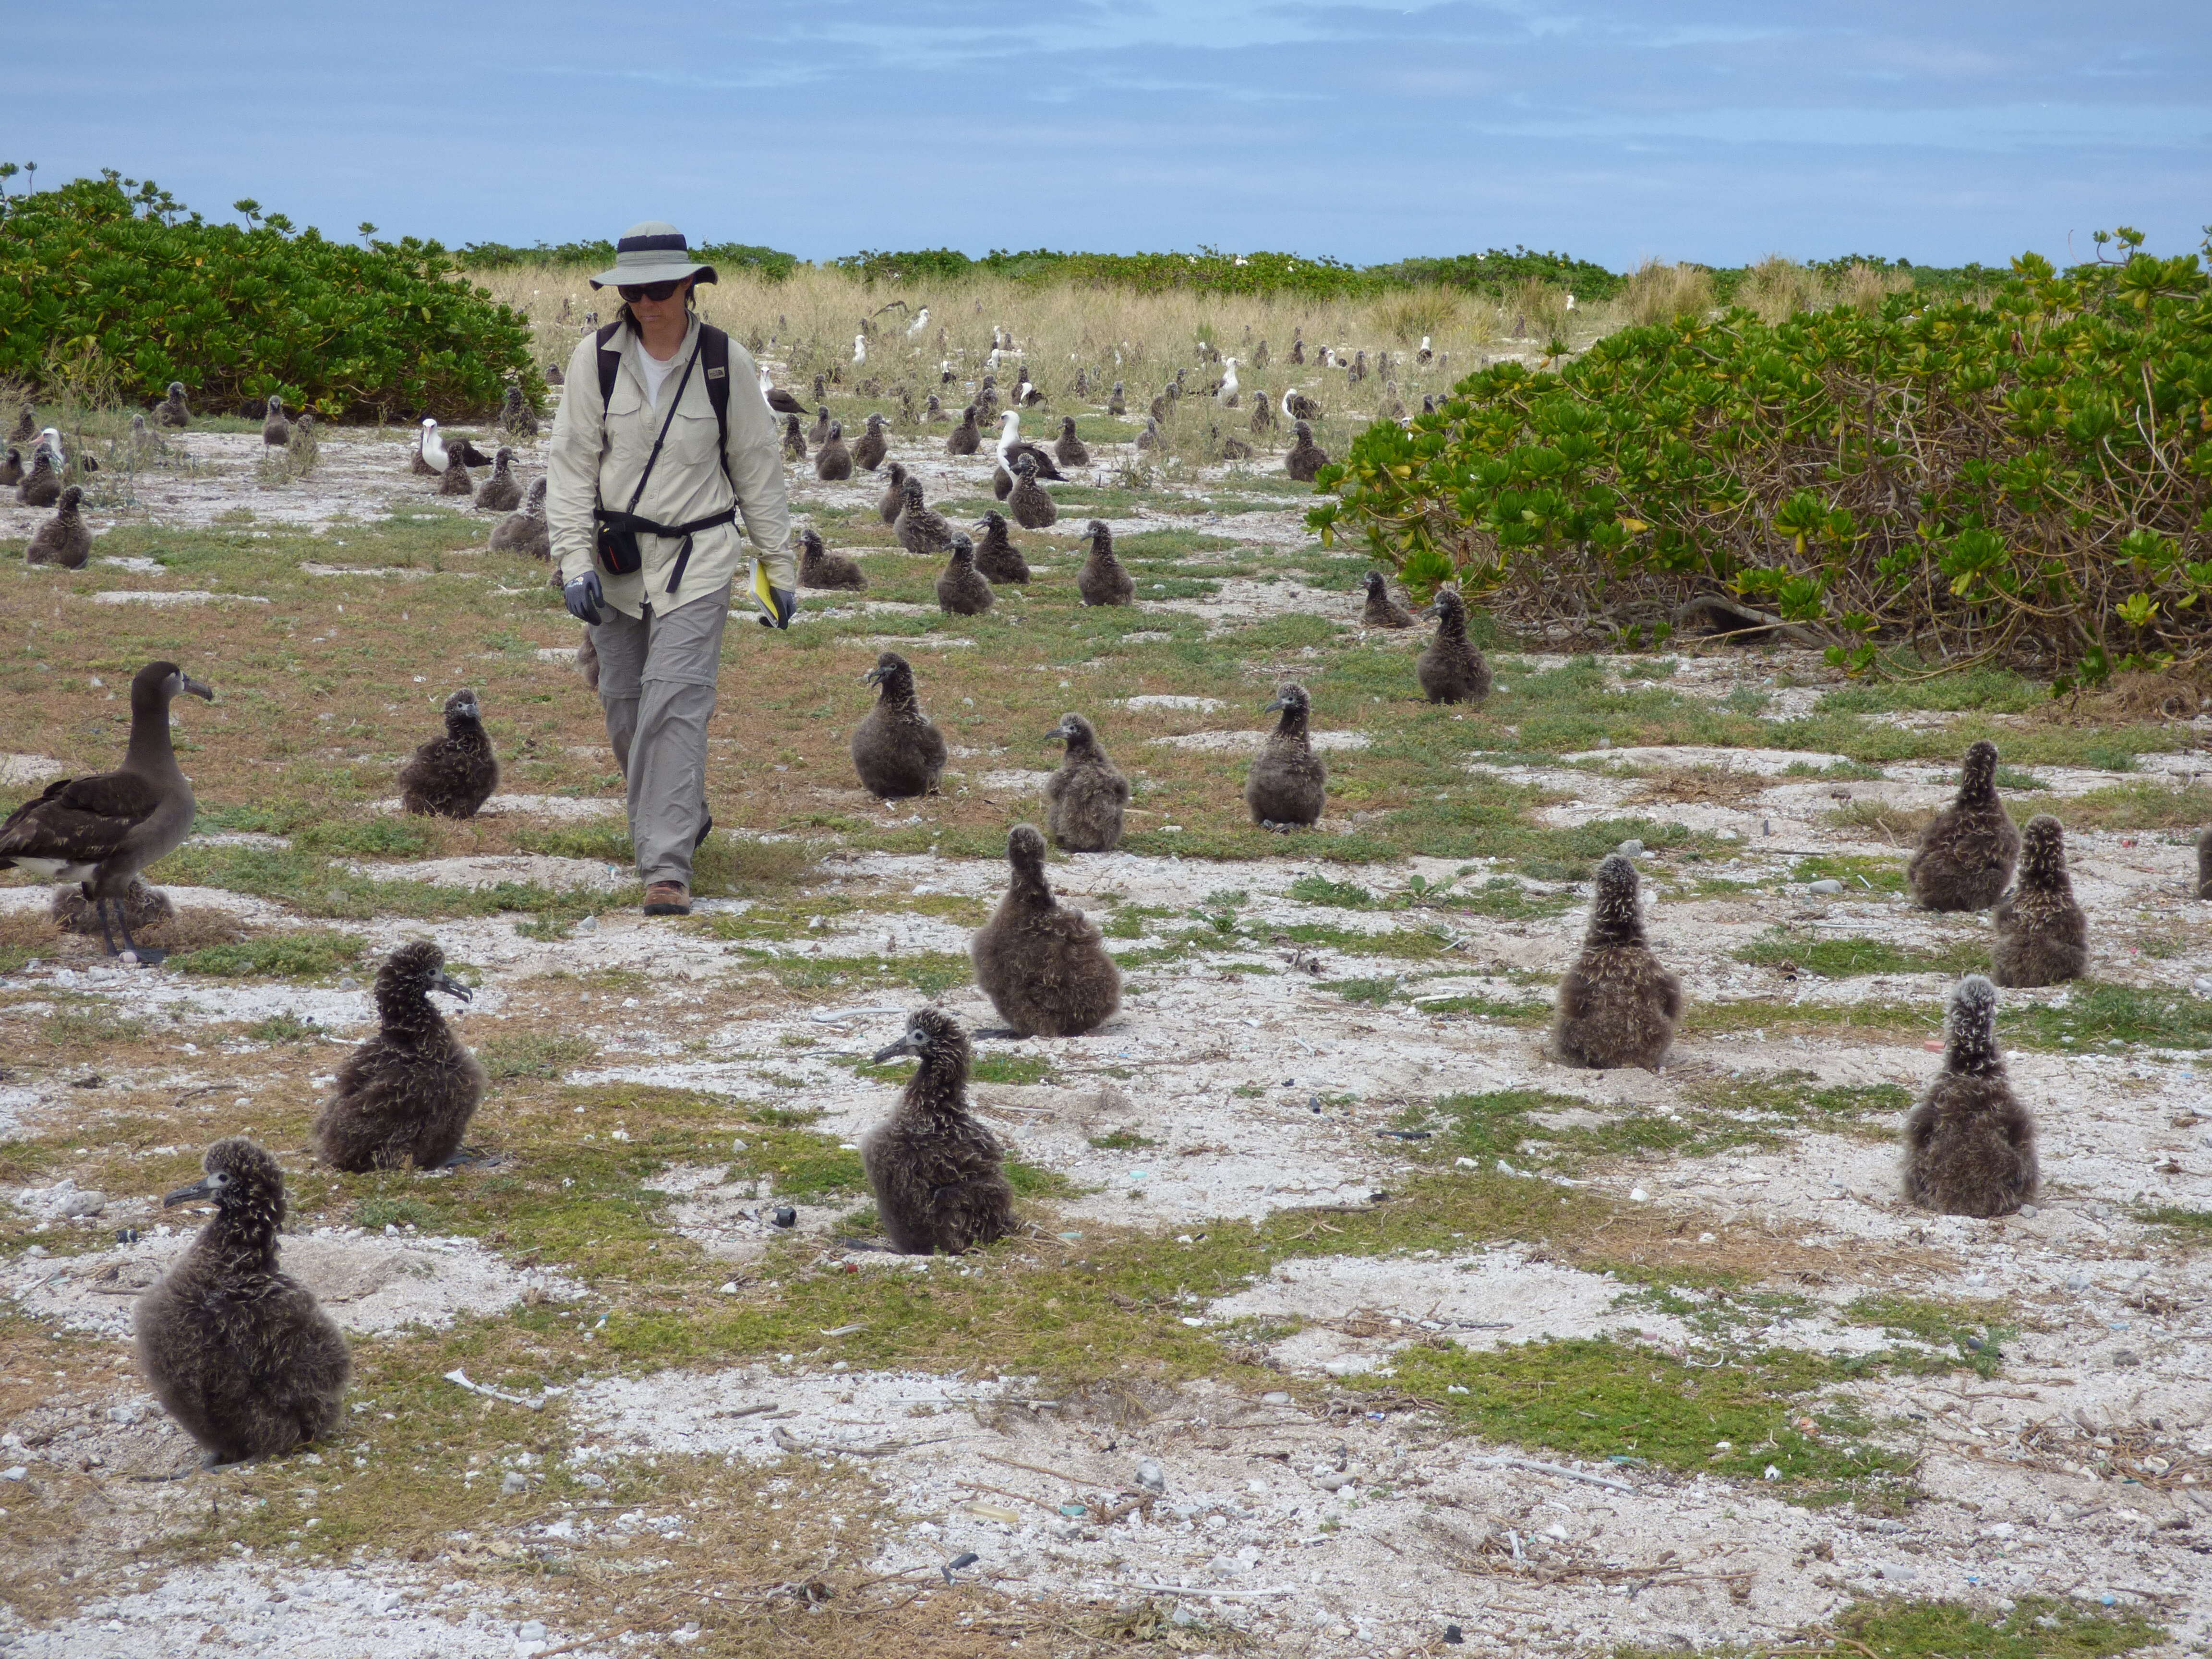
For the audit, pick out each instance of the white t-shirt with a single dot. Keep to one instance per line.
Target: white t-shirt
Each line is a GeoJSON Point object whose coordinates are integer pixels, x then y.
{"type": "Point", "coordinates": [656, 373]}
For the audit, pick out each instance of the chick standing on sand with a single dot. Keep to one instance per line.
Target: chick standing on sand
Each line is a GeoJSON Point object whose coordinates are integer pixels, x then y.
{"type": "Point", "coordinates": [1617, 1005]}
{"type": "Point", "coordinates": [454, 775]}
{"type": "Point", "coordinates": [1964, 857]}
{"type": "Point", "coordinates": [1043, 964]}
{"type": "Point", "coordinates": [239, 1353]}
{"type": "Point", "coordinates": [936, 1172]}
{"type": "Point", "coordinates": [896, 750]}
{"type": "Point", "coordinates": [1969, 1145]}
{"type": "Point", "coordinates": [1452, 669]}
{"type": "Point", "coordinates": [1288, 785]}
{"type": "Point", "coordinates": [407, 1094]}
{"type": "Point", "coordinates": [2042, 937]}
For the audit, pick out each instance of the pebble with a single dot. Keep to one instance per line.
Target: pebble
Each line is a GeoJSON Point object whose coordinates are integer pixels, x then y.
{"type": "Point", "coordinates": [533, 1630]}
{"type": "Point", "coordinates": [513, 1482]}
{"type": "Point", "coordinates": [1334, 1480]}
{"type": "Point", "coordinates": [588, 925]}
{"type": "Point", "coordinates": [2029, 1211]}
{"type": "Point", "coordinates": [1150, 1476]}
{"type": "Point", "coordinates": [785, 1216]}
{"type": "Point", "coordinates": [2077, 1280]}
{"type": "Point", "coordinates": [18, 1473]}
{"type": "Point", "coordinates": [1276, 1398]}
{"type": "Point", "coordinates": [2126, 1357]}
{"type": "Point", "coordinates": [1630, 849]}
{"type": "Point", "coordinates": [1827, 884]}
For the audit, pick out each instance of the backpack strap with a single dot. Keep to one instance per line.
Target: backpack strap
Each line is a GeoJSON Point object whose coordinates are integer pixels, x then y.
{"type": "Point", "coordinates": [714, 355]}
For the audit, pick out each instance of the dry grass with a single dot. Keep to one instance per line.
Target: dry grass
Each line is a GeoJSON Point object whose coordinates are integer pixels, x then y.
{"type": "Point", "coordinates": [1778, 287]}
{"type": "Point", "coordinates": [1659, 293]}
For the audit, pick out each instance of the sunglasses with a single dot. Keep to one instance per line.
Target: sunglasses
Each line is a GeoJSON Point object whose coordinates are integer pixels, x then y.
{"type": "Point", "coordinates": [654, 291]}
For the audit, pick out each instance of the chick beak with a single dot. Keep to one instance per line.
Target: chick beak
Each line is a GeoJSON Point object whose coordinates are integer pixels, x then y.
{"type": "Point", "coordinates": [198, 1193]}
{"type": "Point", "coordinates": [198, 688]}
{"type": "Point", "coordinates": [452, 988]}
{"type": "Point", "coordinates": [905, 1045]}
{"type": "Point", "coordinates": [1270, 708]}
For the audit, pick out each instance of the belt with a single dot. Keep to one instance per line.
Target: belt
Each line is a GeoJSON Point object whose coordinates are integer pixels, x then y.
{"type": "Point", "coordinates": [638, 526]}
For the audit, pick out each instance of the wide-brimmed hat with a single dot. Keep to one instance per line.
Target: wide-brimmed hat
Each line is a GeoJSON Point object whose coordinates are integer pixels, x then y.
{"type": "Point", "coordinates": [651, 251]}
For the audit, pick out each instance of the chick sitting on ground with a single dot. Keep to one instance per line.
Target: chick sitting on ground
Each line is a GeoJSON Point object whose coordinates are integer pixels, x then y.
{"type": "Point", "coordinates": [936, 1172]}
{"type": "Point", "coordinates": [2042, 937]}
{"type": "Point", "coordinates": [406, 1095]}
{"type": "Point", "coordinates": [1617, 1005]}
{"type": "Point", "coordinates": [1043, 964]}
{"type": "Point", "coordinates": [1969, 1145]}
{"type": "Point", "coordinates": [1964, 857]}
{"type": "Point", "coordinates": [1085, 799]}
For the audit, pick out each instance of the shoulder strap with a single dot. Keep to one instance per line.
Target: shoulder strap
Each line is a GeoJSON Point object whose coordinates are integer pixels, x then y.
{"type": "Point", "coordinates": [609, 360]}
{"type": "Point", "coordinates": [714, 352]}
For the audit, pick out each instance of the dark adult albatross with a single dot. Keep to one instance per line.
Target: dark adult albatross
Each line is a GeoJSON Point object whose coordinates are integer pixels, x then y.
{"type": "Point", "coordinates": [103, 830]}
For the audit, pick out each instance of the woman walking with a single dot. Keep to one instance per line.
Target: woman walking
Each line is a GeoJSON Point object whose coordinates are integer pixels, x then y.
{"type": "Point", "coordinates": [662, 442]}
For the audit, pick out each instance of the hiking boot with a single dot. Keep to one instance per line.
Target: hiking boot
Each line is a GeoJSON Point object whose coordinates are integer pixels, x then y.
{"type": "Point", "coordinates": [668, 898]}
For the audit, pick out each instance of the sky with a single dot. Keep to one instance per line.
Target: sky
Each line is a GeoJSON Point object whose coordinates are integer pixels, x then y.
{"type": "Point", "coordinates": [1614, 130]}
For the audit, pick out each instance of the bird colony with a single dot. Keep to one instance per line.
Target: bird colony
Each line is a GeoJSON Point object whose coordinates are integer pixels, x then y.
{"type": "Point", "coordinates": [1379, 1144]}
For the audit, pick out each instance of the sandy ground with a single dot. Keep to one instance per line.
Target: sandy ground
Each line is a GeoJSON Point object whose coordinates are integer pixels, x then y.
{"type": "Point", "coordinates": [1349, 1534]}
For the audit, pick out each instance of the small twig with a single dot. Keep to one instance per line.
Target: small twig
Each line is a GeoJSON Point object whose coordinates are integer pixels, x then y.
{"type": "Point", "coordinates": [1023, 1497]}
{"type": "Point", "coordinates": [1034, 1469]}
{"type": "Point", "coordinates": [1560, 1469]}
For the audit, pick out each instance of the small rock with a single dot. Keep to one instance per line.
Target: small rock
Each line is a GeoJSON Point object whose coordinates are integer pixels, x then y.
{"type": "Point", "coordinates": [1150, 1476]}
{"type": "Point", "coordinates": [1182, 1617]}
{"type": "Point", "coordinates": [1277, 1397]}
{"type": "Point", "coordinates": [2029, 1211]}
{"type": "Point", "coordinates": [1630, 849]}
{"type": "Point", "coordinates": [18, 1473]}
{"type": "Point", "coordinates": [595, 1481]}
{"type": "Point", "coordinates": [1067, 1530]}
{"type": "Point", "coordinates": [2126, 1357]}
{"type": "Point", "coordinates": [533, 1630]}
{"type": "Point", "coordinates": [588, 925]}
{"type": "Point", "coordinates": [2077, 1280]}
{"type": "Point", "coordinates": [126, 1234]}
{"type": "Point", "coordinates": [1827, 884]}
{"type": "Point", "coordinates": [785, 1216]}
{"type": "Point", "coordinates": [1333, 1480]}
{"type": "Point", "coordinates": [348, 982]}
{"type": "Point", "coordinates": [2201, 985]}
{"type": "Point", "coordinates": [1637, 1195]}
{"type": "Point", "coordinates": [1454, 1637]}
{"type": "Point", "coordinates": [513, 1482]}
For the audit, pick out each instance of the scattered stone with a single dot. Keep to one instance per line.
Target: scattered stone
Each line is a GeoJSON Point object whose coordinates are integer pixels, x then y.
{"type": "Point", "coordinates": [785, 1216]}
{"type": "Point", "coordinates": [1827, 884]}
{"type": "Point", "coordinates": [513, 1482]}
{"type": "Point", "coordinates": [1150, 1476]}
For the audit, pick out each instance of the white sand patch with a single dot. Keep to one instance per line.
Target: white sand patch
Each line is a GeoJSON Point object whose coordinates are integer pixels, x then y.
{"type": "Point", "coordinates": [372, 1283]}
{"type": "Point", "coordinates": [1014, 782]}
{"type": "Point", "coordinates": [1204, 705]}
{"type": "Point", "coordinates": [1254, 740]}
{"type": "Point", "coordinates": [172, 596]}
{"type": "Point", "coordinates": [905, 643]}
{"type": "Point", "coordinates": [143, 566]}
{"type": "Point", "coordinates": [383, 571]}
{"type": "Point", "coordinates": [565, 808]}
{"type": "Point", "coordinates": [1477, 1301]}
{"type": "Point", "coordinates": [494, 870]}
{"type": "Point", "coordinates": [1242, 599]}
{"type": "Point", "coordinates": [564, 654]}
{"type": "Point", "coordinates": [373, 1610]}
{"type": "Point", "coordinates": [16, 770]}
{"type": "Point", "coordinates": [1690, 756]}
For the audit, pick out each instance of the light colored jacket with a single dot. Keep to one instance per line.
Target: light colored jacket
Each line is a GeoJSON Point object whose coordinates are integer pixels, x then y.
{"type": "Point", "coordinates": [598, 456]}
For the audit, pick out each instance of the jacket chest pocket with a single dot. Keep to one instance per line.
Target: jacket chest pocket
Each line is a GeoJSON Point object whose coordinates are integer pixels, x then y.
{"type": "Point", "coordinates": [693, 437]}
{"type": "Point", "coordinates": [628, 439]}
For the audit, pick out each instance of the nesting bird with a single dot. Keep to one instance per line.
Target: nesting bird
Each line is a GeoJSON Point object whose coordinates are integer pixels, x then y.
{"type": "Point", "coordinates": [1288, 785]}
{"type": "Point", "coordinates": [1070, 450]}
{"type": "Point", "coordinates": [1381, 611]}
{"type": "Point", "coordinates": [11, 467]}
{"type": "Point", "coordinates": [1617, 1005]}
{"type": "Point", "coordinates": [896, 750]}
{"type": "Point", "coordinates": [997, 558]}
{"type": "Point", "coordinates": [525, 530]}
{"type": "Point", "coordinates": [2204, 864]}
{"type": "Point", "coordinates": [894, 497]}
{"type": "Point", "coordinates": [795, 440]}
{"type": "Point", "coordinates": [515, 413]}
{"type": "Point", "coordinates": [1297, 406]}
{"type": "Point", "coordinates": [173, 410]}
{"type": "Point", "coordinates": [430, 460]}
{"type": "Point", "coordinates": [1452, 669]}
{"type": "Point", "coordinates": [454, 481]}
{"type": "Point", "coordinates": [1029, 503]}
{"type": "Point", "coordinates": [1103, 579]}
{"type": "Point", "coordinates": [500, 493]}
{"type": "Point", "coordinates": [934, 1170]}
{"type": "Point", "coordinates": [1043, 964]}
{"type": "Point", "coordinates": [276, 430]}
{"type": "Point", "coordinates": [819, 568]}
{"type": "Point", "coordinates": [407, 1094]}
{"type": "Point", "coordinates": [1969, 1144]}
{"type": "Point", "coordinates": [239, 1353]}
{"type": "Point", "coordinates": [868, 453]}
{"type": "Point", "coordinates": [819, 434]}
{"type": "Point", "coordinates": [452, 776]}
{"type": "Point", "coordinates": [920, 529]}
{"type": "Point", "coordinates": [64, 539]}
{"type": "Point", "coordinates": [138, 908]}
{"type": "Point", "coordinates": [1306, 458]}
{"type": "Point", "coordinates": [965, 439]}
{"type": "Point", "coordinates": [102, 830]}
{"type": "Point", "coordinates": [1086, 797]}
{"type": "Point", "coordinates": [42, 485]}
{"type": "Point", "coordinates": [1964, 858]}
{"type": "Point", "coordinates": [962, 591]}
{"type": "Point", "coordinates": [833, 461]}
{"type": "Point", "coordinates": [1119, 402]}
{"type": "Point", "coordinates": [2042, 937]}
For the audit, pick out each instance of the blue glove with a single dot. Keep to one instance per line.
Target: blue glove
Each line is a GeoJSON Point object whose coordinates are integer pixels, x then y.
{"type": "Point", "coordinates": [584, 597]}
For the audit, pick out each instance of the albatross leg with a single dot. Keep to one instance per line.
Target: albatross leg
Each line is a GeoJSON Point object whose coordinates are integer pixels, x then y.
{"type": "Point", "coordinates": [149, 956]}
{"type": "Point", "coordinates": [99, 909]}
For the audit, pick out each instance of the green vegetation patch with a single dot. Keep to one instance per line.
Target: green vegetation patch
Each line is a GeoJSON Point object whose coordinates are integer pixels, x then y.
{"type": "Point", "coordinates": [1834, 956]}
{"type": "Point", "coordinates": [1595, 1397]}
{"type": "Point", "coordinates": [2110, 1016]}
{"type": "Point", "coordinates": [533, 1053]}
{"type": "Point", "coordinates": [309, 954]}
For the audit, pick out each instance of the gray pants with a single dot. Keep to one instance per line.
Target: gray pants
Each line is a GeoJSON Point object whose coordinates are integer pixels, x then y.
{"type": "Point", "coordinates": [657, 683]}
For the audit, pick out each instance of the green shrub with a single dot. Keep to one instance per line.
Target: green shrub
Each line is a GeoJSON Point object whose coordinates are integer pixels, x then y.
{"type": "Point", "coordinates": [1979, 479]}
{"type": "Point", "coordinates": [723, 256]}
{"type": "Point", "coordinates": [389, 329]}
